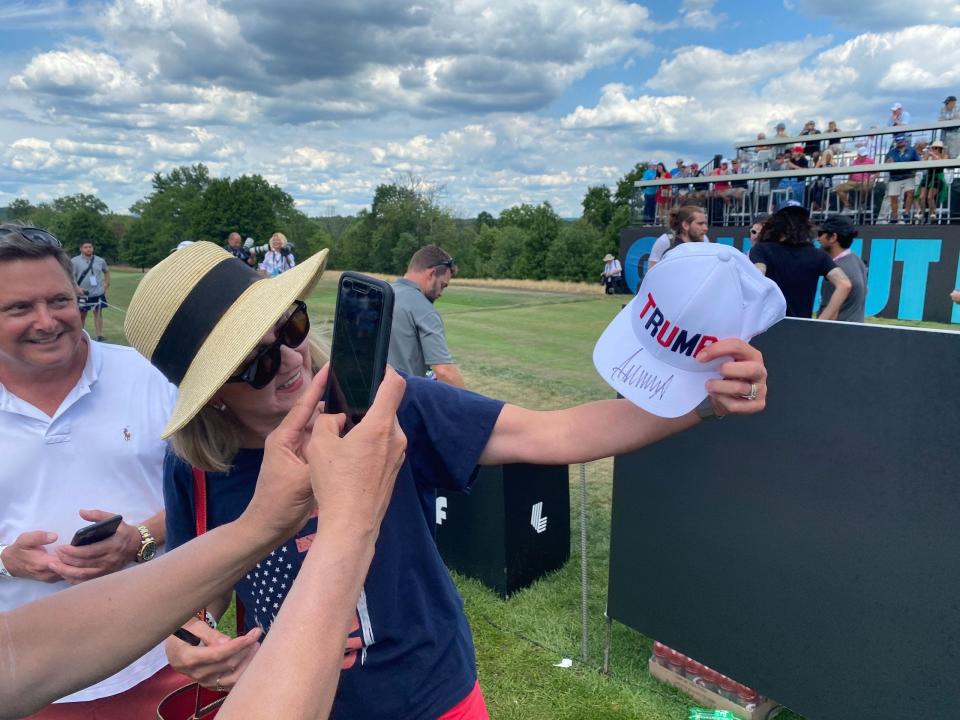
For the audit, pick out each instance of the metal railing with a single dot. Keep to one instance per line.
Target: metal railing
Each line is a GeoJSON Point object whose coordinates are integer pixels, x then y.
{"type": "Point", "coordinates": [765, 191]}
{"type": "Point", "coordinates": [758, 154]}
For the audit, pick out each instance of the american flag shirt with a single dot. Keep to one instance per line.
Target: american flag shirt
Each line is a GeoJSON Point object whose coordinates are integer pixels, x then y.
{"type": "Point", "coordinates": [410, 654]}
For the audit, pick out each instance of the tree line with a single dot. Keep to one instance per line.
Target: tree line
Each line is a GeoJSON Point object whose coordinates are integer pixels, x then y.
{"type": "Point", "coordinates": [524, 241]}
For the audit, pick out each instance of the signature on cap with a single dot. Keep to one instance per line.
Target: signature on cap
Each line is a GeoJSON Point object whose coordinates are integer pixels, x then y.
{"type": "Point", "coordinates": [637, 376]}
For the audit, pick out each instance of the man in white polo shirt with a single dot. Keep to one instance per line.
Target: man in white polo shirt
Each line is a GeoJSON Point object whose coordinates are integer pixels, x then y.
{"type": "Point", "coordinates": [79, 434]}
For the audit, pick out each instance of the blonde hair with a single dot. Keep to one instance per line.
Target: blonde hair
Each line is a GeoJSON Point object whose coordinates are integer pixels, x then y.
{"type": "Point", "coordinates": [283, 238]}
{"type": "Point", "coordinates": [211, 439]}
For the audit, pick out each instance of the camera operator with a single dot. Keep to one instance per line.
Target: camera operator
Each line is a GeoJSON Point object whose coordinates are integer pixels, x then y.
{"type": "Point", "coordinates": [235, 247]}
{"type": "Point", "coordinates": [279, 258]}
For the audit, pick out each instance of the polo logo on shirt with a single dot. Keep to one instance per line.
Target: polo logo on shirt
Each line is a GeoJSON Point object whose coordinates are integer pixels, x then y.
{"type": "Point", "coordinates": [126, 435]}
{"type": "Point", "coordinates": [677, 340]}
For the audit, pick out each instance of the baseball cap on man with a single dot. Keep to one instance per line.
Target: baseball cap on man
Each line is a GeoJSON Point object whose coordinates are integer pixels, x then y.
{"type": "Point", "coordinates": [896, 106]}
{"type": "Point", "coordinates": [698, 294]}
{"type": "Point", "coordinates": [899, 137]}
{"type": "Point", "coordinates": [951, 98]}
{"type": "Point", "coordinates": [839, 224]}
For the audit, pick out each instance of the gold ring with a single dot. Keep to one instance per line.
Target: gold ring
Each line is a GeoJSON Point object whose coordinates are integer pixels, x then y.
{"type": "Point", "coordinates": [219, 687]}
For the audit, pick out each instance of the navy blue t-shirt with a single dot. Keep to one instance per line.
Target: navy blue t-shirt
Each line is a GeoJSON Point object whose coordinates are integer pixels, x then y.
{"type": "Point", "coordinates": [796, 269]}
{"type": "Point", "coordinates": [410, 654]}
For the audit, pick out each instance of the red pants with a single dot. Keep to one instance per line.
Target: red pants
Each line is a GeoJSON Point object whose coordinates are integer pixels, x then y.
{"type": "Point", "coordinates": [471, 707]}
{"type": "Point", "coordinates": [138, 703]}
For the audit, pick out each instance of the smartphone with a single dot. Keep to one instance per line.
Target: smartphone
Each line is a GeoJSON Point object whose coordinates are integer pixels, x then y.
{"type": "Point", "coordinates": [361, 340]}
{"type": "Point", "coordinates": [95, 532]}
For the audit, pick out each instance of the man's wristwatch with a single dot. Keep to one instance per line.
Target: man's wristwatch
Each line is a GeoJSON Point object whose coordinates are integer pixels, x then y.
{"type": "Point", "coordinates": [3, 570]}
{"type": "Point", "coordinates": [148, 546]}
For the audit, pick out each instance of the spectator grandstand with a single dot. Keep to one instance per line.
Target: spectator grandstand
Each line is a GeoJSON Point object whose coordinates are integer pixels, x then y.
{"type": "Point", "coordinates": [816, 169]}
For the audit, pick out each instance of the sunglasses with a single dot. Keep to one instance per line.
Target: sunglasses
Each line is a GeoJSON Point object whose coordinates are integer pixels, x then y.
{"type": "Point", "coordinates": [265, 365]}
{"type": "Point", "coordinates": [754, 232]}
{"type": "Point", "coordinates": [34, 235]}
{"type": "Point", "coordinates": [448, 263]}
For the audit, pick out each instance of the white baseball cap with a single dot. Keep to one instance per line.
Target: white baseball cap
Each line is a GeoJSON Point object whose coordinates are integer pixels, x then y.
{"type": "Point", "coordinates": [698, 294]}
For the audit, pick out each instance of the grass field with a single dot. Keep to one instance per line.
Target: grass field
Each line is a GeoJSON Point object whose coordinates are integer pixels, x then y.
{"type": "Point", "coordinates": [533, 347]}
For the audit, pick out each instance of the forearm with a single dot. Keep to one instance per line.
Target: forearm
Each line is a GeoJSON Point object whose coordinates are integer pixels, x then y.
{"type": "Point", "coordinates": [841, 289]}
{"type": "Point", "coordinates": [448, 373]}
{"type": "Point", "coordinates": [35, 670]}
{"type": "Point", "coordinates": [307, 638]}
{"type": "Point", "coordinates": [578, 434]}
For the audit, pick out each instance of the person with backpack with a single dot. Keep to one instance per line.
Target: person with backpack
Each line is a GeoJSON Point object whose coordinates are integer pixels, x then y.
{"type": "Point", "coordinates": [92, 276]}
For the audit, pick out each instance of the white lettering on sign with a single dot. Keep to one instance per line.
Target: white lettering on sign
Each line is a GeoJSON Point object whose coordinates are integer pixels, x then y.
{"type": "Point", "coordinates": [441, 509]}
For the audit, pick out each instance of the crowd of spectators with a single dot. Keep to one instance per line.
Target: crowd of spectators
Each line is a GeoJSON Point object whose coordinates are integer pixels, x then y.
{"type": "Point", "coordinates": [909, 196]}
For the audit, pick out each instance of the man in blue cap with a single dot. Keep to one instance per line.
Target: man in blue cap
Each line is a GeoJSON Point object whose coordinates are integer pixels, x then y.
{"type": "Point", "coordinates": [901, 183]}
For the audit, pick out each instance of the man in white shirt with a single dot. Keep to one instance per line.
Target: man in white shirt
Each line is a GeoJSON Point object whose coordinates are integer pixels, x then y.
{"type": "Point", "coordinates": [688, 223]}
{"type": "Point", "coordinates": [80, 424]}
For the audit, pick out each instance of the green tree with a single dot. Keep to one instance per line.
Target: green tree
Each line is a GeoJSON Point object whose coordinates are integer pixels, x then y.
{"type": "Point", "coordinates": [540, 226]}
{"type": "Point", "coordinates": [81, 201]}
{"type": "Point", "coordinates": [20, 210]}
{"type": "Point", "coordinates": [575, 254]}
{"type": "Point", "coordinates": [598, 207]}
{"type": "Point", "coordinates": [626, 193]}
{"type": "Point", "coordinates": [85, 224]}
{"type": "Point", "coordinates": [485, 218]}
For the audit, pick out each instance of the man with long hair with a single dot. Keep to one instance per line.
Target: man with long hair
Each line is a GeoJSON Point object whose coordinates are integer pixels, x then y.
{"type": "Point", "coordinates": [688, 223]}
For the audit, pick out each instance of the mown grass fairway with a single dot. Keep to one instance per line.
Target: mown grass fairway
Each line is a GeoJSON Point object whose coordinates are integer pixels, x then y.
{"type": "Point", "coordinates": [533, 348]}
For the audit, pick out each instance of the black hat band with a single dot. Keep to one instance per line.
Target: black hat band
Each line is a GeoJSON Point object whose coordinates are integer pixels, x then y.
{"type": "Point", "coordinates": [199, 314]}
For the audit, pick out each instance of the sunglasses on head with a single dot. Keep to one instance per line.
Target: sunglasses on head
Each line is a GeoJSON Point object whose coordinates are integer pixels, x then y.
{"type": "Point", "coordinates": [265, 364]}
{"type": "Point", "coordinates": [448, 263]}
{"type": "Point", "coordinates": [35, 235]}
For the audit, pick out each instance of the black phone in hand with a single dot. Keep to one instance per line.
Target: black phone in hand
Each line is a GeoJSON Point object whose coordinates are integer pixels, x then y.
{"type": "Point", "coordinates": [95, 532]}
{"type": "Point", "coordinates": [361, 341]}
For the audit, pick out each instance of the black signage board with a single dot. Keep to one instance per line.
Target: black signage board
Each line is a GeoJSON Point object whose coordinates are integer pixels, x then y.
{"type": "Point", "coordinates": [810, 552]}
{"type": "Point", "coordinates": [911, 268]}
{"type": "Point", "coordinates": [512, 528]}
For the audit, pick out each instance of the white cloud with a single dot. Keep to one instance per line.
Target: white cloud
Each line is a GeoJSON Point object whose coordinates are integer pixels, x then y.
{"type": "Point", "coordinates": [882, 14]}
{"type": "Point", "coordinates": [722, 97]}
{"type": "Point", "coordinates": [312, 159]}
{"type": "Point", "coordinates": [703, 70]}
{"type": "Point", "coordinates": [699, 15]}
{"type": "Point", "coordinates": [73, 147]}
{"type": "Point", "coordinates": [98, 76]}
{"type": "Point", "coordinates": [647, 114]}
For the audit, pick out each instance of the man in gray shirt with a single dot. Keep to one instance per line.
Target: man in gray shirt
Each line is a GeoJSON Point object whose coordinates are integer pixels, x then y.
{"type": "Point", "coordinates": [836, 235]}
{"type": "Point", "coordinates": [417, 340]}
{"type": "Point", "coordinates": [92, 276]}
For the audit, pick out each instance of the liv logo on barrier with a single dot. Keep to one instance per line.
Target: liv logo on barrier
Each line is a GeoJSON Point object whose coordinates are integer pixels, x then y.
{"type": "Point", "coordinates": [537, 519]}
{"type": "Point", "coordinates": [441, 509]}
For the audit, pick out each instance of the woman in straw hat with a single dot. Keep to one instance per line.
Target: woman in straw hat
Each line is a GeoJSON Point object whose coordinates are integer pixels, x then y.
{"type": "Point", "coordinates": [239, 349]}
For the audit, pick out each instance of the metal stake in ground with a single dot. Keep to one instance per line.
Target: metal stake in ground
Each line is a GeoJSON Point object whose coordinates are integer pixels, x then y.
{"type": "Point", "coordinates": [583, 562]}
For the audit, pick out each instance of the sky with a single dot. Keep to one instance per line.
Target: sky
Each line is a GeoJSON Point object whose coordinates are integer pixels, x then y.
{"type": "Point", "coordinates": [490, 103]}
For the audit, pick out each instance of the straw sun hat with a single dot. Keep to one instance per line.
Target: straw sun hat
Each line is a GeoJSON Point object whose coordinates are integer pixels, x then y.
{"type": "Point", "coordinates": [608, 257]}
{"type": "Point", "coordinates": [200, 312]}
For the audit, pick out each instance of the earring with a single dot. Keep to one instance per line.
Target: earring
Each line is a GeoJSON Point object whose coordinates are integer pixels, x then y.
{"type": "Point", "coordinates": [219, 407]}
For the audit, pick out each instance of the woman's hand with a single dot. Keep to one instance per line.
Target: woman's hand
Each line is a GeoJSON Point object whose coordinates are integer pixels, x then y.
{"type": "Point", "coordinates": [284, 497]}
{"type": "Point", "coordinates": [219, 662]}
{"type": "Point", "coordinates": [353, 475]}
{"type": "Point", "coordinates": [746, 369]}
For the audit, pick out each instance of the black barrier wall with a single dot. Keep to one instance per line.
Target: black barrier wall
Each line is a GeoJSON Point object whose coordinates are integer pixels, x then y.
{"type": "Point", "coordinates": [911, 269]}
{"type": "Point", "coordinates": [513, 528]}
{"type": "Point", "coordinates": [811, 551]}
